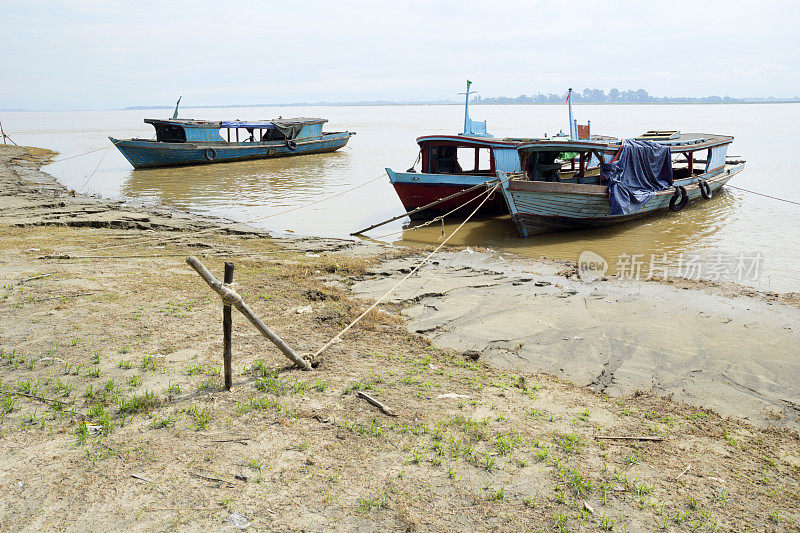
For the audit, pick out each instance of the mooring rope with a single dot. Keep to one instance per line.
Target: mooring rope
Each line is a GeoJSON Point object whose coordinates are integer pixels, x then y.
{"type": "Point", "coordinates": [95, 170]}
{"type": "Point", "coordinates": [442, 217]}
{"type": "Point", "coordinates": [351, 189]}
{"type": "Point", "coordinates": [78, 155]}
{"type": "Point", "coordinates": [762, 194]}
{"type": "Point", "coordinates": [433, 220]}
{"type": "Point", "coordinates": [411, 273]}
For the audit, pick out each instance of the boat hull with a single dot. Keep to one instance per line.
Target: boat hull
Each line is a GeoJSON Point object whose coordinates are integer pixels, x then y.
{"type": "Point", "coordinates": [150, 154]}
{"type": "Point", "coordinates": [538, 207]}
{"type": "Point", "coordinates": [416, 190]}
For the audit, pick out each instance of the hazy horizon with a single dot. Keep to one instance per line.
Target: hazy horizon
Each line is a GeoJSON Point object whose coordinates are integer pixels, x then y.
{"type": "Point", "coordinates": [89, 54]}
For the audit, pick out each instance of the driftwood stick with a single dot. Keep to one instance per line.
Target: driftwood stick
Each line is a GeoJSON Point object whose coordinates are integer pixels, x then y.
{"type": "Point", "coordinates": [385, 408]}
{"type": "Point", "coordinates": [40, 276]}
{"type": "Point", "coordinates": [633, 437]}
{"type": "Point", "coordinates": [682, 473]}
{"type": "Point", "coordinates": [227, 321]}
{"type": "Point", "coordinates": [35, 397]}
{"type": "Point", "coordinates": [214, 479]}
{"type": "Point", "coordinates": [418, 209]}
{"type": "Point", "coordinates": [230, 297]}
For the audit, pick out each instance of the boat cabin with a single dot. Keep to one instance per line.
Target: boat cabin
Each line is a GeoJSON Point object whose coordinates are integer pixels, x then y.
{"type": "Point", "coordinates": [457, 154]}
{"type": "Point", "coordinates": [190, 130]}
{"type": "Point", "coordinates": [562, 160]}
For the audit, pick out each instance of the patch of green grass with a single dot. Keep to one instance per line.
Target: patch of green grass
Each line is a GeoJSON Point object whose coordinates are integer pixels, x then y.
{"type": "Point", "coordinates": [370, 383]}
{"type": "Point", "coordinates": [560, 522]}
{"type": "Point", "coordinates": [211, 383]}
{"type": "Point", "coordinates": [96, 411]}
{"type": "Point", "coordinates": [528, 502]}
{"type": "Point", "coordinates": [138, 403]}
{"type": "Point", "coordinates": [8, 405]}
{"type": "Point", "coordinates": [632, 458]}
{"type": "Point", "coordinates": [125, 365]}
{"type": "Point", "coordinates": [194, 368]}
{"type": "Point", "coordinates": [173, 389]}
{"type": "Point", "coordinates": [692, 501]}
{"type": "Point", "coordinates": [606, 524]}
{"type": "Point", "coordinates": [571, 443]}
{"type": "Point", "coordinates": [201, 416]}
{"type": "Point", "coordinates": [95, 359]}
{"type": "Point", "coordinates": [488, 461]}
{"type": "Point", "coordinates": [148, 363]}
{"type": "Point", "coordinates": [163, 422]}
{"type": "Point", "coordinates": [134, 381]}
{"type": "Point", "coordinates": [93, 372]}
{"type": "Point", "coordinates": [371, 502]}
{"type": "Point", "coordinates": [643, 489]}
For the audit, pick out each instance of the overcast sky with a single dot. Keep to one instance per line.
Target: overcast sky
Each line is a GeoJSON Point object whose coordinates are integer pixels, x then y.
{"type": "Point", "coordinates": [111, 54]}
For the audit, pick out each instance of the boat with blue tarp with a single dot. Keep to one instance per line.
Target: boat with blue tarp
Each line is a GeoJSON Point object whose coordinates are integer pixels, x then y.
{"type": "Point", "coordinates": [181, 141]}
{"type": "Point", "coordinates": [659, 171]}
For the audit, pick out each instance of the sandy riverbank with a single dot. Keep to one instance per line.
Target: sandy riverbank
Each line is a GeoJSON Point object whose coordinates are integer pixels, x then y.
{"type": "Point", "coordinates": [110, 369]}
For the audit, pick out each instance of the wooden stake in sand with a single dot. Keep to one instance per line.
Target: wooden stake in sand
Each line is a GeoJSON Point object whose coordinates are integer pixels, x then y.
{"type": "Point", "coordinates": [230, 297]}
{"type": "Point", "coordinates": [227, 322]}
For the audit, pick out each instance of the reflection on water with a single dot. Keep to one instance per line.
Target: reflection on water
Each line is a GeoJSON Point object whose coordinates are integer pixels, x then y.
{"type": "Point", "coordinates": [266, 190]}
{"type": "Point", "coordinates": [667, 234]}
{"type": "Point", "coordinates": [278, 182]}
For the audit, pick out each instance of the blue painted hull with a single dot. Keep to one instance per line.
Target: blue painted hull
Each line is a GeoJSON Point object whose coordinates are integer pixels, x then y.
{"type": "Point", "coordinates": [148, 154]}
{"type": "Point", "coordinates": [538, 207]}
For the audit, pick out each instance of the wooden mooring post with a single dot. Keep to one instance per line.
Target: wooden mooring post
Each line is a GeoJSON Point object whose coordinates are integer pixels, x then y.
{"type": "Point", "coordinates": [232, 298]}
{"type": "Point", "coordinates": [227, 323]}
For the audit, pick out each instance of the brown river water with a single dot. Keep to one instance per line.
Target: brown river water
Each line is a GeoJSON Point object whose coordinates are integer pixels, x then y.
{"type": "Point", "coordinates": [737, 235]}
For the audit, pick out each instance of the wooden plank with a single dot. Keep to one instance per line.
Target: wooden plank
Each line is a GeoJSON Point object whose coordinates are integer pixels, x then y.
{"type": "Point", "coordinates": [227, 322]}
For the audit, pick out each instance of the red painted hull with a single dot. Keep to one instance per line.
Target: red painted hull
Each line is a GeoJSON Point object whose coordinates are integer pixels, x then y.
{"type": "Point", "coordinates": [414, 195]}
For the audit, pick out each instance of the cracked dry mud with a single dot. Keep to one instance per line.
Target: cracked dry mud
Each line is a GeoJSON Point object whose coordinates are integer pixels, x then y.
{"type": "Point", "coordinates": [725, 350]}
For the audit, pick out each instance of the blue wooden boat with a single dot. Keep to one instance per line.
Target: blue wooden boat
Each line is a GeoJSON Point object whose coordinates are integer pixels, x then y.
{"type": "Point", "coordinates": [451, 164]}
{"type": "Point", "coordinates": [195, 142]}
{"type": "Point", "coordinates": [540, 200]}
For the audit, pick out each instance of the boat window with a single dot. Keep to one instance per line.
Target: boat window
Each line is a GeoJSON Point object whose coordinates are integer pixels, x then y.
{"type": "Point", "coordinates": [474, 159]}
{"type": "Point", "coordinates": [443, 160]}
{"type": "Point", "coordinates": [171, 133]}
{"type": "Point", "coordinates": [457, 160]}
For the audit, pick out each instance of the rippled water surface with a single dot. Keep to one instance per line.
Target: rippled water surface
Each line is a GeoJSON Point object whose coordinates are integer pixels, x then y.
{"type": "Point", "coordinates": [732, 223]}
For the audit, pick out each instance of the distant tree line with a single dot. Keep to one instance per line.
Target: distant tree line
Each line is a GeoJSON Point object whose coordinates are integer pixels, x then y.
{"type": "Point", "coordinates": [615, 96]}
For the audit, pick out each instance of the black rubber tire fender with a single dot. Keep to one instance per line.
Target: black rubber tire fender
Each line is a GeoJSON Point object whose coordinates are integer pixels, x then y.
{"type": "Point", "coordinates": [291, 145]}
{"type": "Point", "coordinates": [210, 154]}
{"type": "Point", "coordinates": [705, 189]}
{"type": "Point", "coordinates": [679, 199]}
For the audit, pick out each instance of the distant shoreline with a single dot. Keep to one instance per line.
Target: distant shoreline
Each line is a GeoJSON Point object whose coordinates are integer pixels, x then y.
{"type": "Point", "coordinates": [388, 104]}
{"type": "Point", "coordinates": [382, 104]}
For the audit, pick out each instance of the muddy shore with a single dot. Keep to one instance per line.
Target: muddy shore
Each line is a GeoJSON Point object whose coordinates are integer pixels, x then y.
{"type": "Point", "coordinates": [503, 372]}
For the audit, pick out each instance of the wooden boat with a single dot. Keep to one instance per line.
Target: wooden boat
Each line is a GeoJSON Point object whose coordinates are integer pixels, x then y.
{"type": "Point", "coordinates": [453, 163]}
{"type": "Point", "coordinates": [540, 201]}
{"type": "Point", "coordinates": [195, 142]}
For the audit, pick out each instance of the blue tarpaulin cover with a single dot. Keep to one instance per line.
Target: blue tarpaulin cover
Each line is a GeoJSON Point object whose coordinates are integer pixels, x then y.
{"type": "Point", "coordinates": [640, 169]}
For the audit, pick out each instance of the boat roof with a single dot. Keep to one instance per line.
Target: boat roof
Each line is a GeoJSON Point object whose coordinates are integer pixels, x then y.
{"type": "Point", "coordinates": [261, 124]}
{"type": "Point", "coordinates": [677, 142]}
{"type": "Point", "coordinates": [596, 142]}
